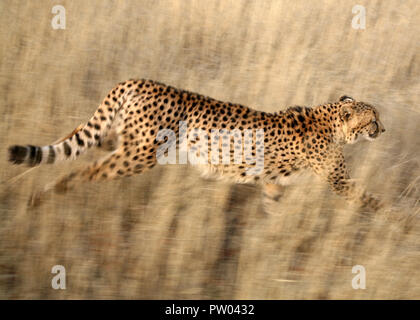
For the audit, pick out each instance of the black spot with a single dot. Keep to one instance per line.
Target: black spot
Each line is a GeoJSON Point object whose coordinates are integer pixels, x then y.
{"type": "Point", "coordinates": [67, 149]}
{"type": "Point", "coordinates": [38, 156]}
{"type": "Point", "coordinates": [32, 152]}
{"type": "Point", "coordinates": [87, 133]}
{"type": "Point", "coordinates": [80, 142]}
{"type": "Point", "coordinates": [17, 154]}
{"type": "Point", "coordinates": [51, 155]}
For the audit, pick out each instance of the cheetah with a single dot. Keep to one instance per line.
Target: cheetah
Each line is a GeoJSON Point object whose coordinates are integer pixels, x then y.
{"type": "Point", "coordinates": [134, 113]}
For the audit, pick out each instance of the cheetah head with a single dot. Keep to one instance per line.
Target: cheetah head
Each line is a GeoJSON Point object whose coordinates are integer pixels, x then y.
{"type": "Point", "coordinates": [359, 119]}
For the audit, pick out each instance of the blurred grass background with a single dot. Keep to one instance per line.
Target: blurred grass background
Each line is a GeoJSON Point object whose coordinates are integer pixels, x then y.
{"type": "Point", "coordinates": [170, 234]}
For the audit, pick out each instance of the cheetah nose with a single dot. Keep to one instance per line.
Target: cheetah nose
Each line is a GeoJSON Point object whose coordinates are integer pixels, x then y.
{"type": "Point", "coordinates": [383, 130]}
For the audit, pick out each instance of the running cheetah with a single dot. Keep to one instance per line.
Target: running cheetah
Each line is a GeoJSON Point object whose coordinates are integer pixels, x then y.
{"type": "Point", "coordinates": [280, 144]}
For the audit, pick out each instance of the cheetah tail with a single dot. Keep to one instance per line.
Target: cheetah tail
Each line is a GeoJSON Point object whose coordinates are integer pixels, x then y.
{"type": "Point", "coordinates": [69, 148]}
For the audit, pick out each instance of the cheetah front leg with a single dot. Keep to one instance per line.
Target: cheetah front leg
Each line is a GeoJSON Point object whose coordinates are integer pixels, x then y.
{"type": "Point", "coordinates": [348, 189]}
{"type": "Point", "coordinates": [271, 195]}
{"type": "Point", "coordinates": [273, 192]}
{"type": "Point", "coordinates": [333, 169]}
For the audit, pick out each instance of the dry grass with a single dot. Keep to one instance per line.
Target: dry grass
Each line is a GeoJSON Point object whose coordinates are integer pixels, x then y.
{"type": "Point", "coordinates": [169, 233]}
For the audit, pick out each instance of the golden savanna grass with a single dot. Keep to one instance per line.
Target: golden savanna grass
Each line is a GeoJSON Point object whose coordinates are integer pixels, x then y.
{"type": "Point", "coordinates": [170, 234]}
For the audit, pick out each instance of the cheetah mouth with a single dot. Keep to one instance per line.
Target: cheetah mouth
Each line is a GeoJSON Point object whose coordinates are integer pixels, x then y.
{"type": "Point", "coordinates": [375, 134]}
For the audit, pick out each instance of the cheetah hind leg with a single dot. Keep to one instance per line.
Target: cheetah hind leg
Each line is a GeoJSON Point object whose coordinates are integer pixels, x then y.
{"type": "Point", "coordinates": [111, 142]}
{"type": "Point", "coordinates": [113, 166]}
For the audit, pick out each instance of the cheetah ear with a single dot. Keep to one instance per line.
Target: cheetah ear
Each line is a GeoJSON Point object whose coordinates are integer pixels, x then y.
{"type": "Point", "coordinates": [346, 112]}
{"type": "Point", "coordinates": [346, 99]}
